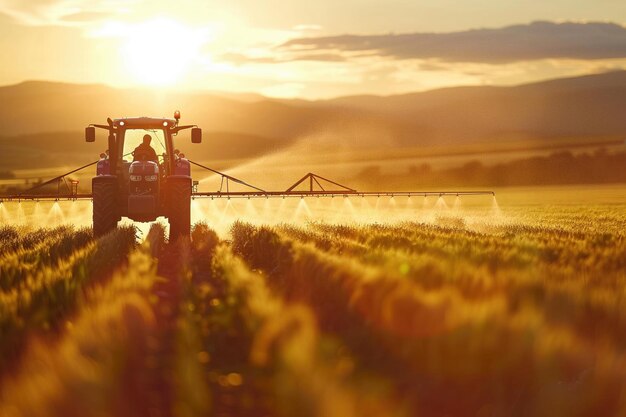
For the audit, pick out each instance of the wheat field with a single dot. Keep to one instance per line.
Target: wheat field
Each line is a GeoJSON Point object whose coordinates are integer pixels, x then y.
{"type": "Point", "coordinates": [517, 315]}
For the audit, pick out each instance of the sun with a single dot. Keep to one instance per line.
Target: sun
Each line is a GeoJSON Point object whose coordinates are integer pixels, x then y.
{"type": "Point", "coordinates": [160, 51]}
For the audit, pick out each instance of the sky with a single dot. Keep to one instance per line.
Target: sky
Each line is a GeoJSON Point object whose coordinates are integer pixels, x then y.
{"type": "Point", "coordinates": [310, 50]}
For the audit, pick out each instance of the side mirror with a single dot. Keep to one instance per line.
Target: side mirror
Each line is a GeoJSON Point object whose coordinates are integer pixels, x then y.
{"type": "Point", "coordinates": [196, 135]}
{"type": "Point", "coordinates": [90, 134]}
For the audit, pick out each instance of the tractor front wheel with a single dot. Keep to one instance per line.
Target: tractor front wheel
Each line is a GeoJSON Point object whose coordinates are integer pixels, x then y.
{"type": "Point", "coordinates": [179, 206]}
{"type": "Point", "coordinates": [105, 210]}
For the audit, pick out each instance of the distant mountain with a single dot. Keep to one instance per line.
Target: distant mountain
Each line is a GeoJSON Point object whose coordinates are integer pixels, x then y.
{"type": "Point", "coordinates": [244, 126]}
{"type": "Point", "coordinates": [592, 105]}
{"type": "Point", "coordinates": [35, 107]}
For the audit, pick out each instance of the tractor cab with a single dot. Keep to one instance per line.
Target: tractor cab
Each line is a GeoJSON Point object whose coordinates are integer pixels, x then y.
{"type": "Point", "coordinates": [143, 177]}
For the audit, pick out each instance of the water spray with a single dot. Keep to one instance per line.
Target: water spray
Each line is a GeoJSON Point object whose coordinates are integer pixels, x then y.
{"type": "Point", "coordinates": [4, 213]}
{"type": "Point", "coordinates": [311, 185]}
{"type": "Point", "coordinates": [495, 208]}
{"type": "Point", "coordinates": [441, 204]}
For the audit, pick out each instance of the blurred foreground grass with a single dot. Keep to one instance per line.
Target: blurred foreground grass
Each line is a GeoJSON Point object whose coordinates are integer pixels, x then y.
{"type": "Point", "coordinates": [463, 312]}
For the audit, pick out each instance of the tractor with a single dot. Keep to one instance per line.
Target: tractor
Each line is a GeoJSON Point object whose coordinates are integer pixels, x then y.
{"type": "Point", "coordinates": [130, 184]}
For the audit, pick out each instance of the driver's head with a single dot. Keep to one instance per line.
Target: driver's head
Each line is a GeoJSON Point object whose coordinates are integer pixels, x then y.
{"type": "Point", "coordinates": [147, 139]}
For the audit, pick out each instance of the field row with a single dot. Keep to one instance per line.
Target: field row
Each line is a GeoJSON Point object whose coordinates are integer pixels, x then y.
{"type": "Point", "coordinates": [519, 311]}
{"type": "Point", "coordinates": [444, 318]}
{"type": "Point", "coordinates": [42, 274]}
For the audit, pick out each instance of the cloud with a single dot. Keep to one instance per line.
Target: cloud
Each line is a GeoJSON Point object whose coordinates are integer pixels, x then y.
{"type": "Point", "coordinates": [86, 17]}
{"type": "Point", "coordinates": [241, 59]}
{"type": "Point", "coordinates": [62, 12]}
{"type": "Point", "coordinates": [308, 28]}
{"type": "Point", "coordinates": [528, 42]}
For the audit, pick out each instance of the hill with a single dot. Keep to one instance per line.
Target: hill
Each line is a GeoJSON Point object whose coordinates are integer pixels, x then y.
{"type": "Point", "coordinates": [241, 127]}
{"type": "Point", "coordinates": [591, 105]}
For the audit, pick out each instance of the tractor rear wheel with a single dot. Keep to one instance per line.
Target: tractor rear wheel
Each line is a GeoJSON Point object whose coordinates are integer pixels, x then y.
{"type": "Point", "coordinates": [105, 210]}
{"type": "Point", "coordinates": [179, 206]}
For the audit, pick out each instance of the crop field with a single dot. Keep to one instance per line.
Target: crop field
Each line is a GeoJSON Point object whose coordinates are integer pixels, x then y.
{"type": "Point", "coordinates": [460, 311]}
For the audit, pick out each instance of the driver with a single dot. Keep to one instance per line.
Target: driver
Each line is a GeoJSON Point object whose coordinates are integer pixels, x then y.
{"type": "Point", "coordinates": [145, 152]}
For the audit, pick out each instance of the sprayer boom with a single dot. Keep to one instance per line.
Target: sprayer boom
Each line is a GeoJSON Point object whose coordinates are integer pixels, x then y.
{"type": "Point", "coordinates": [313, 184]}
{"type": "Point", "coordinates": [302, 194]}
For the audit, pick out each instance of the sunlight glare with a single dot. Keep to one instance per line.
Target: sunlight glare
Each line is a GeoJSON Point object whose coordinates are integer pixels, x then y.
{"type": "Point", "coordinates": [161, 51]}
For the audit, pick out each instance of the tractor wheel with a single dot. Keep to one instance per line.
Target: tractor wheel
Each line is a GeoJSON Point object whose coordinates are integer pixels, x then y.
{"type": "Point", "coordinates": [179, 206]}
{"type": "Point", "coordinates": [105, 210]}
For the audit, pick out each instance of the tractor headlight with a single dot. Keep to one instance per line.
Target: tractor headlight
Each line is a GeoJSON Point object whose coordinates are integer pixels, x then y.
{"type": "Point", "coordinates": [151, 177]}
{"type": "Point", "coordinates": [135, 177]}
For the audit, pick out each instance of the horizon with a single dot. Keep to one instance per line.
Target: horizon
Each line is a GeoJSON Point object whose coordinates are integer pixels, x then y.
{"type": "Point", "coordinates": [173, 89]}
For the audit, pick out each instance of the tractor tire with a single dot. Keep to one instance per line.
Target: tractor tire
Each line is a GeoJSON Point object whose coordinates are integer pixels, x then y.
{"type": "Point", "coordinates": [105, 209]}
{"type": "Point", "coordinates": [179, 206]}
